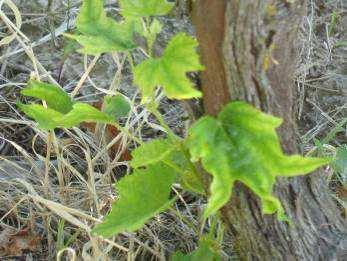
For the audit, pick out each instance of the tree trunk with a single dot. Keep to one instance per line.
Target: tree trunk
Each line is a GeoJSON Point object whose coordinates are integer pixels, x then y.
{"type": "Point", "coordinates": [248, 48]}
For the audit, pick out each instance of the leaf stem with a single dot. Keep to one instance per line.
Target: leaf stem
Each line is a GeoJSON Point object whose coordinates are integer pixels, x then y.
{"type": "Point", "coordinates": [162, 122]}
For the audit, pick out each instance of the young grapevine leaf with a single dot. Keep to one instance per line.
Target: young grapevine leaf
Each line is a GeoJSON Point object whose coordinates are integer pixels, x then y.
{"type": "Point", "coordinates": [116, 106]}
{"type": "Point", "coordinates": [56, 98]}
{"type": "Point", "coordinates": [102, 34]}
{"type": "Point", "coordinates": [83, 112]}
{"type": "Point", "coordinates": [151, 34]}
{"type": "Point", "coordinates": [45, 117]}
{"type": "Point", "coordinates": [142, 195]}
{"type": "Point", "coordinates": [145, 8]}
{"type": "Point", "coordinates": [242, 145]}
{"type": "Point", "coordinates": [169, 71]}
{"type": "Point", "coordinates": [151, 152]}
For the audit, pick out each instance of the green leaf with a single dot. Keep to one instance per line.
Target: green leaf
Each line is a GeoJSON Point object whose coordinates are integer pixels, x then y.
{"type": "Point", "coordinates": [151, 152]}
{"type": "Point", "coordinates": [49, 119]}
{"type": "Point", "coordinates": [340, 163]}
{"type": "Point", "coordinates": [56, 98]}
{"type": "Point", "coordinates": [152, 32]}
{"type": "Point", "coordinates": [162, 150]}
{"type": "Point", "coordinates": [169, 71]}
{"type": "Point", "coordinates": [100, 33]}
{"type": "Point", "coordinates": [69, 46]}
{"type": "Point", "coordinates": [116, 106]}
{"type": "Point", "coordinates": [142, 195]}
{"type": "Point", "coordinates": [189, 179]}
{"type": "Point", "coordinates": [242, 145]}
{"type": "Point", "coordinates": [83, 112]}
{"type": "Point", "coordinates": [155, 28]}
{"type": "Point", "coordinates": [145, 8]}
{"type": "Point", "coordinates": [191, 182]}
{"type": "Point", "coordinates": [45, 117]}
{"type": "Point", "coordinates": [205, 251]}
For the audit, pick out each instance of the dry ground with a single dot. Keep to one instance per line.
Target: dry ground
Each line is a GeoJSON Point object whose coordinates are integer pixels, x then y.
{"type": "Point", "coordinates": [49, 204]}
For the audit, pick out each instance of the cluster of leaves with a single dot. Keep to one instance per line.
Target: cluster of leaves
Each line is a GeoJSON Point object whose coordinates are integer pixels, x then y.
{"type": "Point", "coordinates": [240, 144]}
{"type": "Point", "coordinates": [100, 34]}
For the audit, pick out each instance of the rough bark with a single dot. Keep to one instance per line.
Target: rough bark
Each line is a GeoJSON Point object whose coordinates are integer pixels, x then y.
{"type": "Point", "coordinates": [248, 48]}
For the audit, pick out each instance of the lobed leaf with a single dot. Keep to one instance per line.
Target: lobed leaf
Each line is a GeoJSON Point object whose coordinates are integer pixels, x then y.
{"type": "Point", "coordinates": [55, 97]}
{"type": "Point", "coordinates": [102, 34]}
{"type": "Point", "coordinates": [142, 195]}
{"type": "Point", "coordinates": [169, 71]}
{"type": "Point", "coordinates": [145, 8]}
{"type": "Point", "coordinates": [242, 145]}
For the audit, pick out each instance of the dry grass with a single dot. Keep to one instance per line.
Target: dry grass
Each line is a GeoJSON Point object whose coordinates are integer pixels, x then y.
{"type": "Point", "coordinates": [61, 194]}
{"type": "Point", "coordinates": [322, 83]}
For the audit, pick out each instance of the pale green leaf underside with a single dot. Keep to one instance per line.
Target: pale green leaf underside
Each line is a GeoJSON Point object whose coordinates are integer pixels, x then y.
{"type": "Point", "coordinates": [55, 97]}
{"type": "Point", "coordinates": [49, 119]}
{"type": "Point", "coordinates": [100, 33]}
{"type": "Point", "coordinates": [242, 145]}
{"type": "Point", "coordinates": [151, 152]}
{"type": "Point", "coordinates": [169, 71]}
{"type": "Point", "coordinates": [145, 8]}
{"type": "Point", "coordinates": [142, 195]}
